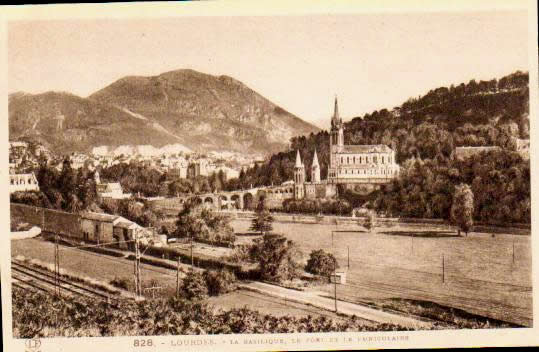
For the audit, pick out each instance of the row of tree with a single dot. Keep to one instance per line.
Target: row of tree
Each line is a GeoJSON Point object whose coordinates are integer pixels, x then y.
{"type": "Point", "coordinates": [499, 181]}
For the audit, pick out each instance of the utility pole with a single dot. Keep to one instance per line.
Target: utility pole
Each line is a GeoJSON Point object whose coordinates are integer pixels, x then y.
{"type": "Point", "coordinates": [348, 247]}
{"type": "Point", "coordinates": [178, 277]}
{"type": "Point", "coordinates": [513, 250]}
{"type": "Point", "coordinates": [56, 266]}
{"type": "Point", "coordinates": [192, 261]}
{"type": "Point", "coordinates": [137, 266]}
{"type": "Point", "coordinates": [443, 268]}
{"type": "Point", "coordinates": [334, 271]}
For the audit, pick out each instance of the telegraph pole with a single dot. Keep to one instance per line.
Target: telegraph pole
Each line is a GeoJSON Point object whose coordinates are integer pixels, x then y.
{"type": "Point", "coordinates": [137, 266]}
{"type": "Point", "coordinates": [178, 277]}
{"type": "Point", "coordinates": [348, 247]}
{"type": "Point", "coordinates": [56, 265]}
{"type": "Point", "coordinates": [334, 271]}
{"type": "Point", "coordinates": [192, 261]}
{"type": "Point", "coordinates": [443, 268]}
{"type": "Point", "coordinates": [513, 250]}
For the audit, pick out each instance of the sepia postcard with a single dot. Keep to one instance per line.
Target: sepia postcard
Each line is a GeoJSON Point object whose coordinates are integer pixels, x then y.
{"type": "Point", "coordinates": [269, 175]}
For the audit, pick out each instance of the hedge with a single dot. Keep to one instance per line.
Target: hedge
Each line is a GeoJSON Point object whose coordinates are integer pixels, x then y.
{"type": "Point", "coordinates": [202, 261]}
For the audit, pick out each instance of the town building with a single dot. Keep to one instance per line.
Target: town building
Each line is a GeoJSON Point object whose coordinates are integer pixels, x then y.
{"type": "Point", "coordinates": [109, 190]}
{"type": "Point", "coordinates": [23, 183]}
{"type": "Point", "coordinates": [198, 168]}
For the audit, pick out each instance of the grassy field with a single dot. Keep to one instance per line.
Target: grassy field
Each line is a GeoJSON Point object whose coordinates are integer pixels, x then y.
{"type": "Point", "coordinates": [269, 305]}
{"type": "Point", "coordinates": [476, 273]}
{"type": "Point", "coordinates": [101, 267]}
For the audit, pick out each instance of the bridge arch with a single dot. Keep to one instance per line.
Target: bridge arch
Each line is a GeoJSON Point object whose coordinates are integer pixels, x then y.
{"type": "Point", "coordinates": [237, 201]}
{"type": "Point", "coordinates": [223, 202]}
{"type": "Point", "coordinates": [248, 201]}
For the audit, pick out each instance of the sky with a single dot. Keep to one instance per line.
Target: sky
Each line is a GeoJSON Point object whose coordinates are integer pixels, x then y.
{"type": "Point", "coordinates": [370, 61]}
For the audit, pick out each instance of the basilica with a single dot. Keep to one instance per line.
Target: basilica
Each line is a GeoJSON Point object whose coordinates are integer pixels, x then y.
{"type": "Point", "coordinates": [362, 168]}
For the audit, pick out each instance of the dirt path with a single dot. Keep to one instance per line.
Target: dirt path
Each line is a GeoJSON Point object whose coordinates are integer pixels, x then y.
{"type": "Point", "coordinates": [312, 298]}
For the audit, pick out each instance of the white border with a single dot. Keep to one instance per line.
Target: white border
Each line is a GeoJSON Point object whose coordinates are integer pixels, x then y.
{"type": "Point", "coordinates": [415, 339]}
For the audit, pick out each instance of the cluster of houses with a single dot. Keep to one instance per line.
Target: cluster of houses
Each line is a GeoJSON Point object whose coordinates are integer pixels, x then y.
{"type": "Point", "coordinates": [177, 163]}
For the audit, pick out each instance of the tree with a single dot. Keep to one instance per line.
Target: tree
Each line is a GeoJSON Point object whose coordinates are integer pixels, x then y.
{"type": "Point", "coordinates": [194, 286]}
{"type": "Point", "coordinates": [462, 208]}
{"type": "Point", "coordinates": [262, 222]}
{"type": "Point", "coordinates": [197, 222]}
{"type": "Point", "coordinates": [321, 263]}
{"type": "Point", "coordinates": [370, 222]}
{"type": "Point", "coordinates": [276, 256]}
{"type": "Point", "coordinates": [219, 282]}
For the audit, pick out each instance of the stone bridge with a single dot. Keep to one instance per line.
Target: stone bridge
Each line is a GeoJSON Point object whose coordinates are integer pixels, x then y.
{"type": "Point", "coordinates": [233, 200]}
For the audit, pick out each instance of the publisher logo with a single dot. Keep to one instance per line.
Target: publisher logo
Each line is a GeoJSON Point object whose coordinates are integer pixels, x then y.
{"type": "Point", "coordinates": [33, 345]}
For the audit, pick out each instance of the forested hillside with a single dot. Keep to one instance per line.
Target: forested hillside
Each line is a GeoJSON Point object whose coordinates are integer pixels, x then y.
{"type": "Point", "coordinates": [425, 131]}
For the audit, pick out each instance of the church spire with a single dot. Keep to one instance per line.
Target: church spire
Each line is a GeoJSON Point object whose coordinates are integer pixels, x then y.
{"type": "Point", "coordinates": [336, 119]}
{"type": "Point", "coordinates": [315, 169]}
{"type": "Point", "coordinates": [315, 159]}
{"type": "Point", "coordinates": [336, 109]}
{"type": "Point", "coordinates": [298, 160]}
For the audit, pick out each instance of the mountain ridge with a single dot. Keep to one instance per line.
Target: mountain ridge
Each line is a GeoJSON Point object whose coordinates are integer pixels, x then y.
{"type": "Point", "coordinates": [201, 111]}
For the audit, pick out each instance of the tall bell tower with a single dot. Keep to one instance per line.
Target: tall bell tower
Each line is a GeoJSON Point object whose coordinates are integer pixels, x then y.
{"type": "Point", "coordinates": [336, 141]}
{"type": "Point", "coordinates": [299, 178]}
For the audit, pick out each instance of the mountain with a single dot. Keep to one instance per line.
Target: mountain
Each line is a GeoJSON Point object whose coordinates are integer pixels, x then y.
{"type": "Point", "coordinates": [199, 111]}
{"type": "Point", "coordinates": [206, 112]}
{"type": "Point", "coordinates": [85, 123]}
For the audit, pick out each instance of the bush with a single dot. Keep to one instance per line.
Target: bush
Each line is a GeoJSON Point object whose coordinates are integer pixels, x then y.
{"type": "Point", "coordinates": [321, 263]}
{"type": "Point", "coordinates": [276, 256]}
{"type": "Point", "coordinates": [118, 282]}
{"type": "Point", "coordinates": [194, 286]}
{"type": "Point", "coordinates": [219, 282]}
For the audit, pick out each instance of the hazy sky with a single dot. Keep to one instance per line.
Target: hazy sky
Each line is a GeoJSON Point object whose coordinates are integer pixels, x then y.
{"type": "Point", "coordinates": [370, 61]}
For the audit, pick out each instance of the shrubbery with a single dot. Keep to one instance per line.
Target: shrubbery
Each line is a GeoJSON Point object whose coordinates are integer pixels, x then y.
{"type": "Point", "coordinates": [219, 282]}
{"type": "Point", "coordinates": [277, 257]}
{"type": "Point", "coordinates": [321, 263]}
{"type": "Point", "coordinates": [120, 282]}
{"type": "Point", "coordinates": [33, 317]}
{"type": "Point", "coordinates": [194, 286]}
{"type": "Point", "coordinates": [316, 206]}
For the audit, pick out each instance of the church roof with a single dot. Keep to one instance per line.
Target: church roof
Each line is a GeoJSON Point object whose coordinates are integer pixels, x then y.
{"type": "Point", "coordinates": [372, 148]}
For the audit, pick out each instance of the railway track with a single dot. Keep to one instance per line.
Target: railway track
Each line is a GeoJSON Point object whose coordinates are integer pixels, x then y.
{"type": "Point", "coordinates": [31, 278]}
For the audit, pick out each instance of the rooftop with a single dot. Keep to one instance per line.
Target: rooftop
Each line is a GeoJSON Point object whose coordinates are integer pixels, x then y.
{"type": "Point", "coordinates": [99, 216]}
{"type": "Point", "coordinates": [373, 148]}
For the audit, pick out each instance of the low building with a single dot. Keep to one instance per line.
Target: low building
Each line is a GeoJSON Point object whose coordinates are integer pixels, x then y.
{"type": "Point", "coordinates": [23, 183]}
{"type": "Point", "coordinates": [97, 227]}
